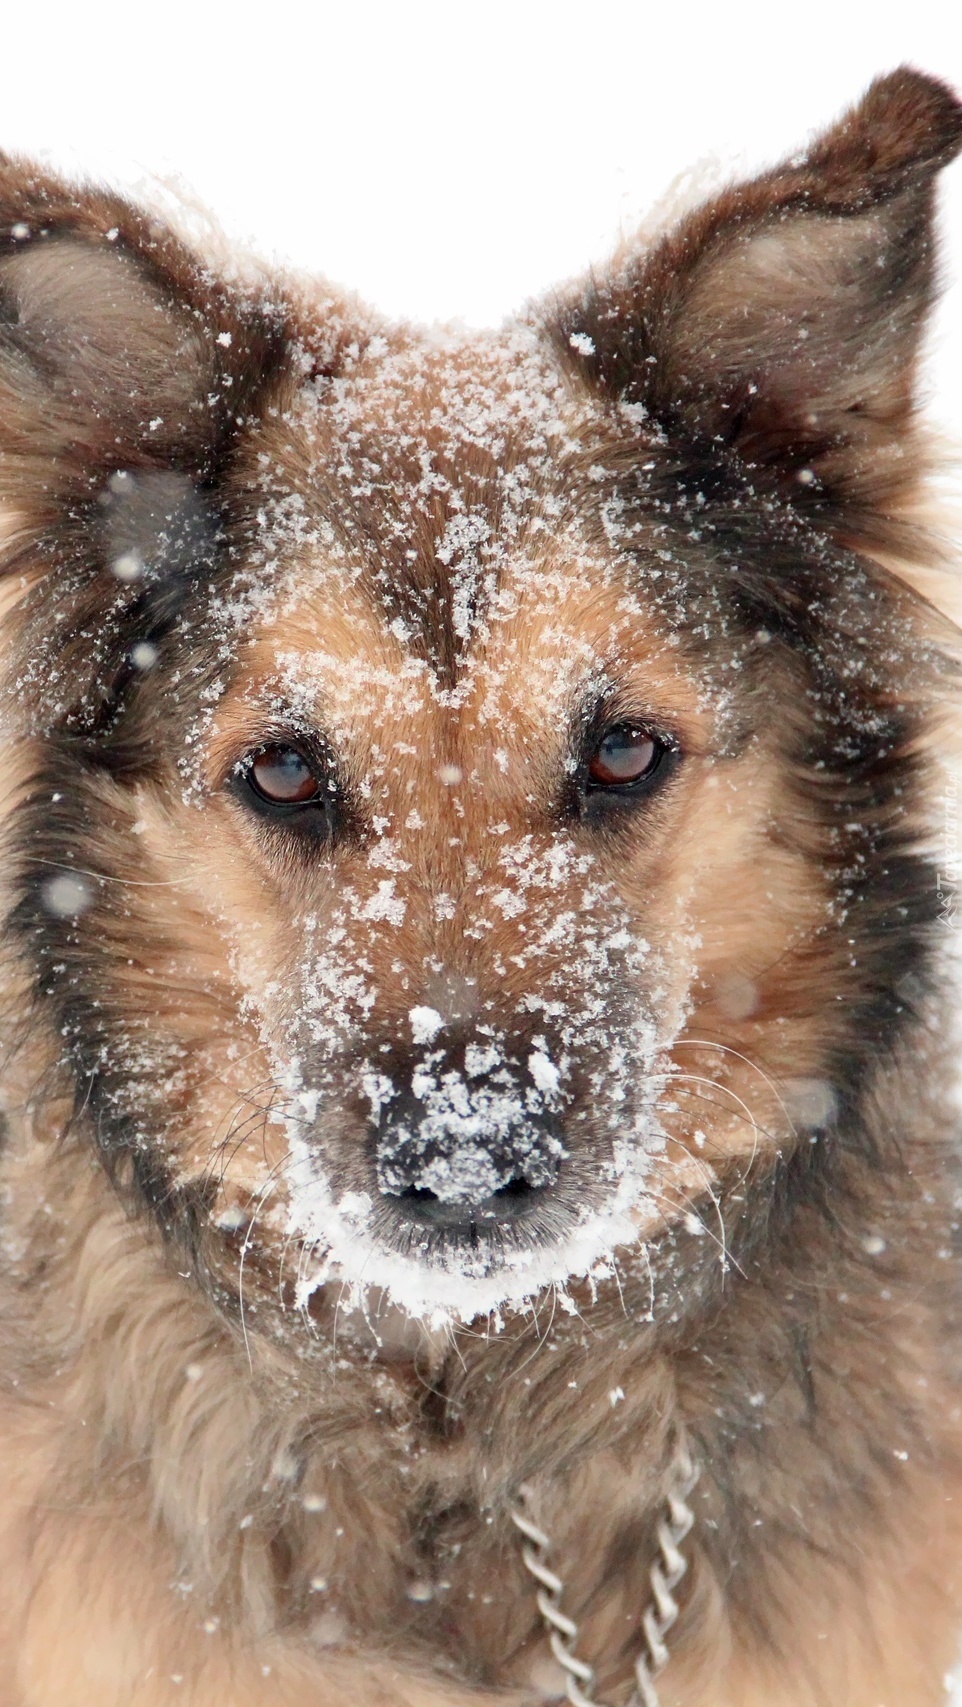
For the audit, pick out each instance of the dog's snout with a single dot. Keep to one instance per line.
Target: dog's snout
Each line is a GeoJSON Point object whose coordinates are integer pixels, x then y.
{"type": "Point", "coordinates": [460, 1153]}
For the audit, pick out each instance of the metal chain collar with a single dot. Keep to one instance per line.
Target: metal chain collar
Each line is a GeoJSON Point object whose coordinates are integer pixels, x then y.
{"type": "Point", "coordinates": [666, 1573]}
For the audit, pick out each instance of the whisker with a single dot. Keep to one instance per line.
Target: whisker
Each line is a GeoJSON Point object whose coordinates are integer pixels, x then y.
{"type": "Point", "coordinates": [542, 1338]}
{"type": "Point", "coordinates": [726, 1049]}
{"type": "Point", "coordinates": [262, 1196]}
{"type": "Point", "coordinates": [684, 1079]}
{"type": "Point", "coordinates": [668, 1207]}
{"type": "Point", "coordinates": [107, 876]}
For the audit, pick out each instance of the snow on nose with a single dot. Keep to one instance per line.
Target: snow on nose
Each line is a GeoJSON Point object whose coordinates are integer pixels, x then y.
{"type": "Point", "coordinates": [455, 1147]}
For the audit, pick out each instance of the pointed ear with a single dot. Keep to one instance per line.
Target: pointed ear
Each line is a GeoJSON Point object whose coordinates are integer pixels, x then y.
{"type": "Point", "coordinates": [128, 374]}
{"type": "Point", "coordinates": [780, 324]}
{"type": "Point", "coordinates": [117, 348]}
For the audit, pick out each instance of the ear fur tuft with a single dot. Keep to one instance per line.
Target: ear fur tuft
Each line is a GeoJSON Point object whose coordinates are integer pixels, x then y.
{"type": "Point", "coordinates": [906, 126]}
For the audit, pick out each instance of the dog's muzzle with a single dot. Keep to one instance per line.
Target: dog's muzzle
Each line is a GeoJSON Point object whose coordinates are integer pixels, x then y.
{"type": "Point", "coordinates": [464, 1155]}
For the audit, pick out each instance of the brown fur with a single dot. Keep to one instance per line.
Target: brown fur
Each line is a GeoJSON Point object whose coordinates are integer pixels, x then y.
{"type": "Point", "coordinates": [436, 563]}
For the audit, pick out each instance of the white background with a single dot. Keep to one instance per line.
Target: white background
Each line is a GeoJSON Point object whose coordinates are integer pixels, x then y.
{"type": "Point", "coordinates": [450, 160]}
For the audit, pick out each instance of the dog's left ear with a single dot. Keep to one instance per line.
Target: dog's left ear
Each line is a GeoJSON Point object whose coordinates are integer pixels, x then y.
{"type": "Point", "coordinates": [781, 322]}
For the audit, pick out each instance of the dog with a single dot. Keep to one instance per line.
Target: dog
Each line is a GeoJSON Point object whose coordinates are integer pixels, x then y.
{"type": "Point", "coordinates": [480, 1199]}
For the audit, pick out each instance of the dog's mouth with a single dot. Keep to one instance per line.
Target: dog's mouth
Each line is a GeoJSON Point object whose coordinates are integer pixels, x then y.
{"type": "Point", "coordinates": [497, 1232]}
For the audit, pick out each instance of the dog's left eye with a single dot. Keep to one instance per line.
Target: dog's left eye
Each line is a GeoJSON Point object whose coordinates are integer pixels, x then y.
{"type": "Point", "coordinates": [285, 787]}
{"type": "Point", "coordinates": [624, 757]}
{"type": "Point", "coordinates": [282, 776]}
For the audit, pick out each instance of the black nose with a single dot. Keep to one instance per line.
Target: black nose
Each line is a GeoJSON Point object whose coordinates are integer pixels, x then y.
{"type": "Point", "coordinates": [474, 1157]}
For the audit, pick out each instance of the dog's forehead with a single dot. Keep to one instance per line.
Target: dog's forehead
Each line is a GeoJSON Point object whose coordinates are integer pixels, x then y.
{"type": "Point", "coordinates": [429, 473]}
{"type": "Point", "coordinates": [454, 593]}
{"type": "Point", "coordinates": [559, 631]}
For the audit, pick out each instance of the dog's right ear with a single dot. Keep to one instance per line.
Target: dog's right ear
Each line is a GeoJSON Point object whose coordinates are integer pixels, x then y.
{"type": "Point", "coordinates": [129, 376]}
{"type": "Point", "coordinates": [117, 349]}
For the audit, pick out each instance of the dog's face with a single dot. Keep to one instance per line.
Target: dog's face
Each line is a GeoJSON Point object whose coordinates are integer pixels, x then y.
{"type": "Point", "coordinates": [466, 801]}
{"type": "Point", "coordinates": [462, 822]}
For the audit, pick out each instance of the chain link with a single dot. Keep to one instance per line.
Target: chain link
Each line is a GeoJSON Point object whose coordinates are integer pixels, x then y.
{"type": "Point", "coordinates": [665, 1576]}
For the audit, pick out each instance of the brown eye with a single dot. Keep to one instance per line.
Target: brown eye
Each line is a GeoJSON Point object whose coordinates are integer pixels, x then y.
{"type": "Point", "coordinates": [283, 776]}
{"type": "Point", "coordinates": [623, 756]}
{"type": "Point", "coordinates": [295, 795]}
